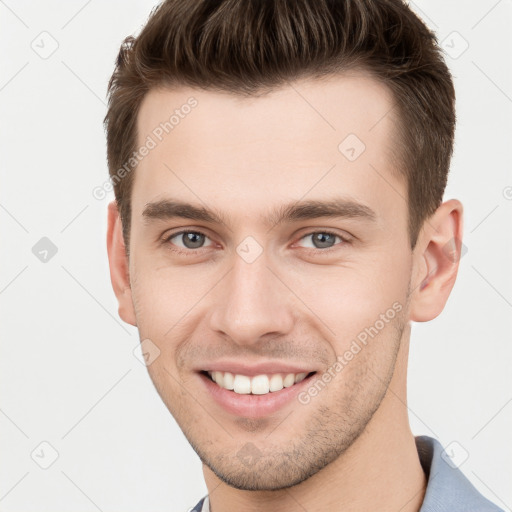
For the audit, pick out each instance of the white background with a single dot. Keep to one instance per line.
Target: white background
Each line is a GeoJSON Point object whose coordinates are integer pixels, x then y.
{"type": "Point", "coordinates": [69, 375]}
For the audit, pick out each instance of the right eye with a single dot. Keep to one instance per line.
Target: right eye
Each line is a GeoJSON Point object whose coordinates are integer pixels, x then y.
{"type": "Point", "coordinates": [189, 240]}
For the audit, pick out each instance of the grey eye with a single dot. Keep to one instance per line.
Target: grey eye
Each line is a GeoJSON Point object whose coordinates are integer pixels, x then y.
{"type": "Point", "coordinates": [189, 239]}
{"type": "Point", "coordinates": [322, 239]}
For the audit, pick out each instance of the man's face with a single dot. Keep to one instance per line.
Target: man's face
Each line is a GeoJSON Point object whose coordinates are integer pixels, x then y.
{"type": "Point", "coordinates": [291, 296]}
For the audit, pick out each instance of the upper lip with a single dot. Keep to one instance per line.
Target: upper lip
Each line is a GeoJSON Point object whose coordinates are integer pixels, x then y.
{"type": "Point", "coordinates": [251, 370]}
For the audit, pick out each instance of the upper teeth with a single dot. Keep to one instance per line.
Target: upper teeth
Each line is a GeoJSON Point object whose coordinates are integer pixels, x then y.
{"type": "Point", "coordinates": [258, 385]}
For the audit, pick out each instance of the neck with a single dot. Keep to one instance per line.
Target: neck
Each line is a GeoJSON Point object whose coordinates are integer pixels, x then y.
{"type": "Point", "coordinates": [379, 471]}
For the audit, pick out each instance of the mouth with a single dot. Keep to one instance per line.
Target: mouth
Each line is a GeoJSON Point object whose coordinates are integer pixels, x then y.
{"type": "Point", "coordinates": [263, 384]}
{"type": "Point", "coordinates": [257, 389]}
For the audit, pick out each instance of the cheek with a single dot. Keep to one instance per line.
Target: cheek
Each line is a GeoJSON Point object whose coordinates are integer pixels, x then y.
{"type": "Point", "coordinates": [163, 296]}
{"type": "Point", "coordinates": [350, 297]}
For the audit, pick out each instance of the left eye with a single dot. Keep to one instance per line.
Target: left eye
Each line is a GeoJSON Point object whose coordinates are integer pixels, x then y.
{"type": "Point", "coordinates": [322, 239]}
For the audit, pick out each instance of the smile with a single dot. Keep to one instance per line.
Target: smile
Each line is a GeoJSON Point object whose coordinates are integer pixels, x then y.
{"type": "Point", "coordinates": [257, 385]}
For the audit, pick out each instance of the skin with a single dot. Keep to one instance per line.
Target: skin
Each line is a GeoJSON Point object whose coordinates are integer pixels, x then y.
{"type": "Point", "coordinates": [295, 302]}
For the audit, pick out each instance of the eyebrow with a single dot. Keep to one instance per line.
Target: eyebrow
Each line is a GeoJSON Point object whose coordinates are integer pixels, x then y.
{"type": "Point", "coordinates": [300, 210]}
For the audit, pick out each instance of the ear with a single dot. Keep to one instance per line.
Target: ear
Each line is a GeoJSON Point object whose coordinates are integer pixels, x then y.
{"type": "Point", "coordinates": [118, 262]}
{"type": "Point", "coordinates": [436, 261]}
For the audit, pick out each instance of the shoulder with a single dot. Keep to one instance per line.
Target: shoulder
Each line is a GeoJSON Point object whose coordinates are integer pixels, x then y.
{"type": "Point", "coordinates": [448, 489]}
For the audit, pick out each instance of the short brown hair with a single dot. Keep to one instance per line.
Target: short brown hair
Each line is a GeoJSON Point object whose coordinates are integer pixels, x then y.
{"type": "Point", "coordinates": [245, 47]}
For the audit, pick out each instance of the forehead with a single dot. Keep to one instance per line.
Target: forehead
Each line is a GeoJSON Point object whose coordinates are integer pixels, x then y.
{"type": "Point", "coordinates": [305, 138]}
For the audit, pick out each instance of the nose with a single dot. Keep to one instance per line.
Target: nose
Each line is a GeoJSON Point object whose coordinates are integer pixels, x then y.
{"type": "Point", "coordinates": [252, 302]}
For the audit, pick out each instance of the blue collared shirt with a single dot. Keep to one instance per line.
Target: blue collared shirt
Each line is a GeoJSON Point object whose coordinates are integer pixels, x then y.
{"type": "Point", "coordinates": [448, 490]}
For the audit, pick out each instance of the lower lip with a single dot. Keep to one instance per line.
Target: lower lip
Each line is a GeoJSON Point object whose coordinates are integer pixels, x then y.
{"type": "Point", "coordinates": [253, 406]}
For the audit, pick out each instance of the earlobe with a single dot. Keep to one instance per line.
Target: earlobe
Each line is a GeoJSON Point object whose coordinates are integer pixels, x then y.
{"type": "Point", "coordinates": [118, 263]}
{"type": "Point", "coordinates": [436, 264]}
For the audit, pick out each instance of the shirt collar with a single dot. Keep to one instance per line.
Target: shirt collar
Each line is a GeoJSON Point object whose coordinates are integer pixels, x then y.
{"type": "Point", "coordinates": [448, 489]}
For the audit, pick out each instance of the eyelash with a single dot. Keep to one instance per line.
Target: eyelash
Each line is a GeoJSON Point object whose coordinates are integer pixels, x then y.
{"type": "Point", "coordinates": [191, 252]}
